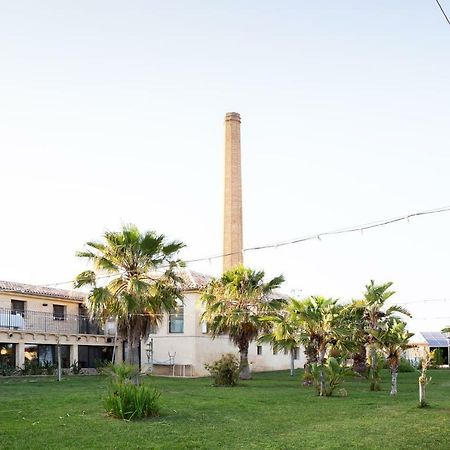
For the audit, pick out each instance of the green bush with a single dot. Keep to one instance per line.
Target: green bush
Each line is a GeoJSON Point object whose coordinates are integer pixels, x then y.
{"type": "Point", "coordinates": [129, 401]}
{"type": "Point", "coordinates": [75, 367]}
{"type": "Point", "coordinates": [126, 399]}
{"type": "Point", "coordinates": [334, 371]}
{"type": "Point", "coordinates": [32, 368]}
{"type": "Point", "coordinates": [7, 371]}
{"type": "Point", "coordinates": [405, 366]}
{"type": "Point", "coordinates": [224, 371]}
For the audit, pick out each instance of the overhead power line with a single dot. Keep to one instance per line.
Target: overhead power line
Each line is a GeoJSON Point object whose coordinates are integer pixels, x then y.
{"type": "Point", "coordinates": [315, 236]}
{"type": "Point", "coordinates": [443, 12]}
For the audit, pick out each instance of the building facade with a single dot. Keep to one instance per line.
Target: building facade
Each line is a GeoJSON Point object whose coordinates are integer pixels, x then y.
{"type": "Point", "coordinates": [35, 320]}
{"type": "Point", "coordinates": [181, 345]}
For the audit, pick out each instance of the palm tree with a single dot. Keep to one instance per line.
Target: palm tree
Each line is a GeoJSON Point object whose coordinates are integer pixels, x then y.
{"type": "Point", "coordinates": [235, 305]}
{"type": "Point", "coordinates": [133, 280]}
{"type": "Point", "coordinates": [374, 314]}
{"type": "Point", "coordinates": [284, 335]}
{"type": "Point", "coordinates": [394, 338]}
{"type": "Point", "coordinates": [319, 328]}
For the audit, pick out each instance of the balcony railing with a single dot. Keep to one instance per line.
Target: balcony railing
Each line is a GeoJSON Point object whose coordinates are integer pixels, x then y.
{"type": "Point", "coordinates": [48, 322]}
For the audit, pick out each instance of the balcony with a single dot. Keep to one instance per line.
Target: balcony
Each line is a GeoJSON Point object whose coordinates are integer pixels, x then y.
{"type": "Point", "coordinates": [49, 323]}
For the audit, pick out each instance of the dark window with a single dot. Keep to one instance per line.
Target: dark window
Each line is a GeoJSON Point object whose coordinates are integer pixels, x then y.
{"type": "Point", "coordinates": [18, 307]}
{"type": "Point", "coordinates": [259, 350]}
{"type": "Point", "coordinates": [7, 355]}
{"type": "Point", "coordinates": [176, 320]}
{"type": "Point", "coordinates": [296, 353]}
{"type": "Point", "coordinates": [43, 354]}
{"type": "Point", "coordinates": [91, 356]}
{"type": "Point", "coordinates": [59, 312]}
{"type": "Point", "coordinates": [275, 351]}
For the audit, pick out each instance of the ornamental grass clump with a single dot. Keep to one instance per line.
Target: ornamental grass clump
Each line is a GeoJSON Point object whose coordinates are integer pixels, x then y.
{"type": "Point", "coordinates": [224, 371]}
{"type": "Point", "coordinates": [127, 400]}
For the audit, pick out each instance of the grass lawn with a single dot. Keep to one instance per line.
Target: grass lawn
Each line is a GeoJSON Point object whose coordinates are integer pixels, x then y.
{"type": "Point", "coordinates": [273, 411]}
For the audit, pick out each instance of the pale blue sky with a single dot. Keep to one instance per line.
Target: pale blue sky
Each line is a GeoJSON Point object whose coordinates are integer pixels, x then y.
{"type": "Point", "coordinates": [112, 112]}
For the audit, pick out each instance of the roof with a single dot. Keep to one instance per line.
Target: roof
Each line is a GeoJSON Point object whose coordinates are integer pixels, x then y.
{"type": "Point", "coordinates": [41, 291]}
{"type": "Point", "coordinates": [192, 280]}
{"type": "Point", "coordinates": [432, 338]}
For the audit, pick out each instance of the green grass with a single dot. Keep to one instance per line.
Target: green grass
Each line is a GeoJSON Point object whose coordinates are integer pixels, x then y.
{"type": "Point", "coordinates": [273, 411]}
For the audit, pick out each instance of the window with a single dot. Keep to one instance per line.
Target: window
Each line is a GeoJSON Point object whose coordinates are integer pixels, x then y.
{"type": "Point", "coordinates": [47, 354]}
{"type": "Point", "coordinates": [59, 312]}
{"type": "Point", "coordinates": [176, 320]}
{"type": "Point", "coordinates": [275, 351]}
{"type": "Point", "coordinates": [259, 350]}
{"type": "Point", "coordinates": [285, 351]}
{"type": "Point", "coordinates": [7, 355]}
{"type": "Point", "coordinates": [92, 356]}
{"type": "Point", "coordinates": [296, 353]}
{"type": "Point", "coordinates": [204, 326]}
{"type": "Point", "coordinates": [18, 307]}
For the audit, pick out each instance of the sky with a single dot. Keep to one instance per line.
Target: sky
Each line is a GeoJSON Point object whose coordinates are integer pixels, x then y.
{"type": "Point", "coordinates": [112, 112]}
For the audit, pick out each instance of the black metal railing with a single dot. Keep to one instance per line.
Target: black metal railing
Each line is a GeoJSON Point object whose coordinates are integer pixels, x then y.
{"type": "Point", "coordinates": [47, 322]}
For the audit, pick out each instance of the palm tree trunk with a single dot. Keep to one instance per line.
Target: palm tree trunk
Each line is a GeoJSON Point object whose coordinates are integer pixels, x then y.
{"type": "Point", "coordinates": [292, 362]}
{"type": "Point", "coordinates": [321, 373]}
{"type": "Point", "coordinates": [394, 373]}
{"type": "Point", "coordinates": [244, 368]}
{"type": "Point", "coordinates": [374, 386]}
{"type": "Point", "coordinates": [422, 396]}
{"type": "Point", "coordinates": [133, 350]}
{"type": "Point", "coordinates": [359, 361]}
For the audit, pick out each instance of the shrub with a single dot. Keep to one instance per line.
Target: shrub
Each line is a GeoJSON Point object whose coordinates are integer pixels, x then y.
{"type": "Point", "coordinates": [48, 368]}
{"type": "Point", "coordinates": [32, 368]}
{"type": "Point", "coordinates": [127, 400]}
{"type": "Point", "coordinates": [334, 371]}
{"type": "Point", "coordinates": [406, 366]}
{"type": "Point", "coordinates": [7, 371]}
{"type": "Point", "coordinates": [308, 378]}
{"type": "Point", "coordinates": [224, 371]}
{"type": "Point", "coordinates": [75, 367]}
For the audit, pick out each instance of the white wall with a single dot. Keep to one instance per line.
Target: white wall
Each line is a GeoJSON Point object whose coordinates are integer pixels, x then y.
{"type": "Point", "coordinates": [192, 347]}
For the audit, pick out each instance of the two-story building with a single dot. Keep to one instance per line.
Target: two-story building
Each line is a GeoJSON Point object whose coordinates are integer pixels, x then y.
{"type": "Point", "coordinates": [34, 320]}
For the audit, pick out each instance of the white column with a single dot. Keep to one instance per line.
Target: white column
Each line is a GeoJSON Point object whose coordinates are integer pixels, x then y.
{"type": "Point", "coordinates": [73, 353]}
{"type": "Point", "coordinates": [20, 354]}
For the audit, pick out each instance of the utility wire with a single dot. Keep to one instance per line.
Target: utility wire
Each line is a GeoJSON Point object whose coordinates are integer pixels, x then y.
{"type": "Point", "coordinates": [316, 236]}
{"type": "Point", "coordinates": [443, 12]}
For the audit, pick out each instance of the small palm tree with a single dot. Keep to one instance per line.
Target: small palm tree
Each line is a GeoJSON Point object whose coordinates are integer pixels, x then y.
{"type": "Point", "coordinates": [319, 322]}
{"type": "Point", "coordinates": [141, 281]}
{"type": "Point", "coordinates": [236, 303]}
{"type": "Point", "coordinates": [284, 335]}
{"type": "Point", "coordinates": [393, 339]}
{"type": "Point", "coordinates": [374, 313]}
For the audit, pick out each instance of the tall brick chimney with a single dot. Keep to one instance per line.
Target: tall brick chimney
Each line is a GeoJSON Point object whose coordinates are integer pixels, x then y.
{"type": "Point", "coordinates": [232, 224]}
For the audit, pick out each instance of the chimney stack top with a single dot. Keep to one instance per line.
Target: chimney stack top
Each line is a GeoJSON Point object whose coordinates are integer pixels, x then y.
{"type": "Point", "coordinates": [232, 116]}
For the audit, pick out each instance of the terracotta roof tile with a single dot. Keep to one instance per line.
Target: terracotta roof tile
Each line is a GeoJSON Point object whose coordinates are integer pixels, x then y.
{"type": "Point", "coordinates": [30, 289]}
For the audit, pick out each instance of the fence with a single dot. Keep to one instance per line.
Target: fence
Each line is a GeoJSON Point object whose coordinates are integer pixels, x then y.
{"type": "Point", "coordinates": [48, 322]}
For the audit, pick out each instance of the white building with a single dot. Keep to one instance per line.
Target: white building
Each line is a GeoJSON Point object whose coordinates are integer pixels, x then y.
{"type": "Point", "coordinates": [181, 345]}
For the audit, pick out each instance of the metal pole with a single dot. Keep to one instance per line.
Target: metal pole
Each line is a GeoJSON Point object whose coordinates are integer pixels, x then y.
{"type": "Point", "coordinates": [151, 355]}
{"type": "Point", "coordinates": [58, 349]}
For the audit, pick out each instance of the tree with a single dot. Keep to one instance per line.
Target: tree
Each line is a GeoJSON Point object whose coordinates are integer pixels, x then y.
{"type": "Point", "coordinates": [394, 338]}
{"type": "Point", "coordinates": [284, 335]}
{"type": "Point", "coordinates": [319, 321]}
{"type": "Point", "coordinates": [374, 314]}
{"type": "Point", "coordinates": [424, 379]}
{"type": "Point", "coordinates": [235, 305]}
{"type": "Point", "coordinates": [133, 280]}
